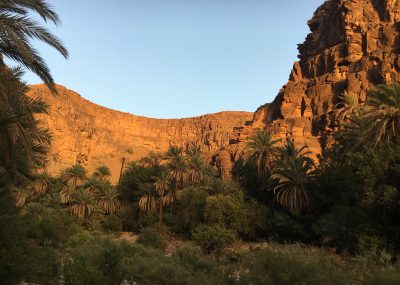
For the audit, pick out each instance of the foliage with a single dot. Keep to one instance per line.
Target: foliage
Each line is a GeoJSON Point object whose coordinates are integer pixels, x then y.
{"type": "Point", "coordinates": [262, 150]}
{"type": "Point", "coordinates": [155, 236]}
{"type": "Point", "coordinates": [190, 209]}
{"type": "Point", "coordinates": [18, 29]}
{"type": "Point", "coordinates": [112, 223]}
{"type": "Point", "coordinates": [23, 141]}
{"type": "Point", "coordinates": [294, 264]}
{"type": "Point", "coordinates": [101, 261]}
{"type": "Point", "coordinates": [291, 177]}
{"type": "Point", "coordinates": [227, 211]}
{"type": "Point", "coordinates": [212, 237]}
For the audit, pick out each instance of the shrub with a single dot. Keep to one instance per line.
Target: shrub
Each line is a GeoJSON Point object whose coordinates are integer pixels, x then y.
{"type": "Point", "coordinates": [154, 236]}
{"type": "Point", "coordinates": [106, 262]}
{"type": "Point", "coordinates": [212, 237]}
{"type": "Point", "coordinates": [203, 270]}
{"type": "Point", "coordinates": [227, 211]}
{"type": "Point", "coordinates": [294, 264]}
{"type": "Point", "coordinates": [190, 210]}
{"type": "Point", "coordinates": [112, 223]}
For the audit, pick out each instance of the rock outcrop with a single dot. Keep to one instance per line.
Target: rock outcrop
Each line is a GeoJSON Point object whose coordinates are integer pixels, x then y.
{"type": "Point", "coordinates": [92, 135]}
{"type": "Point", "coordinates": [353, 46]}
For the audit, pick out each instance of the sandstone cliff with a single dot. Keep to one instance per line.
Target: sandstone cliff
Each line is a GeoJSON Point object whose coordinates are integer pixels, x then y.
{"type": "Point", "coordinates": [92, 135]}
{"type": "Point", "coordinates": [353, 45]}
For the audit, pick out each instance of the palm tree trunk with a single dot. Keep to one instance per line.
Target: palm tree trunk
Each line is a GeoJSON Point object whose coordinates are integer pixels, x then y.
{"type": "Point", "coordinates": [122, 169]}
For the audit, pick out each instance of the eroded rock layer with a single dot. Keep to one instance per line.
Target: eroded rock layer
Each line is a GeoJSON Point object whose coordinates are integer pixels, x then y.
{"type": "Point", "coordinates": [86, 133]}
{"type": "Point", "coordinates": [353, 45]}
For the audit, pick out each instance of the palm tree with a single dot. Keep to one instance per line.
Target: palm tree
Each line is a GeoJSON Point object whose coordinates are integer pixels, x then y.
{"type": "Point", "coordinates": [94, 185]}
{"type": "Point", "coordinates": [174, 152]}
{"type": "Point", "coordinates": [34, 209]}
{"type": "Point", "coordinates": [382, 110]}
{"type": "Point", "coordinates": [161, 185]}
{"type": "Point", "coordinates": [23, 142]}
{"type": "Point", "coordinates": [195, 172]}
{"type": "Point", "coordinates": [75, 174]}
{"type": "Point", "coordinates": [102, 173]}
{"type": "Point", "coordinates": [192, 151]}
{"type": "Point", "coordinates": [21, 195]}
{"type": "Point", "coordinates": [18, 29]}
{"type": "Point", "coordinates": [43, 183]}
{"type": "Point", "coordinates": [83, 205]}
{"type": "Point", "coordinates": [291, 177]}
{"type": "Point", "coordinates": [148, 203]}
{"type": "Point", "coordinates": [262, 150]}
{"type": "Point", "coordinates": [66, 193]}
{"type": "Point", "coordinates": [177, 170]}
{"type": "Point", "coordinates": [108, 200]}
{"type": "Point", "coordinates": [354, 134]}
{"type": "Point", "coordinates": [348, 106]}
{"type": "Point", "coordinates": [290, 151]}
{"type": "Point", "coordinates": [153, 159]}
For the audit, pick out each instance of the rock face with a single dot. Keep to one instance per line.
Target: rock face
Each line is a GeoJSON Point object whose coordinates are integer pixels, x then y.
{"type": "Point", "coordinates": [353, 46]}
{"type": "Point", "coordinates": [86, 133]}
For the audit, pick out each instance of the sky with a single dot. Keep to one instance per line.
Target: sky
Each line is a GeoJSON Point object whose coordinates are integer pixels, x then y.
{"type": "Point", "coordinates": [177, 58]}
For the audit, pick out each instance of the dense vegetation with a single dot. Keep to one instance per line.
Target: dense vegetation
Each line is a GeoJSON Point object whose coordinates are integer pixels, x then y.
{"type": "Point", "coordinates": [283, 218]}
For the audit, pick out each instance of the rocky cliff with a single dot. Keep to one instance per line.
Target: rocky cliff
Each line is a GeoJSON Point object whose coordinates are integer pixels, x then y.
{"type": "Point", "coordinates": [92, 135]}
{"type": "Point", "coordinates": [353, 46]}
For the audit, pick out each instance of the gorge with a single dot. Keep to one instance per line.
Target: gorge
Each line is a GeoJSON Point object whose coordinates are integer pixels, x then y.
{"type": "Point", "coordinates": [353, 45]}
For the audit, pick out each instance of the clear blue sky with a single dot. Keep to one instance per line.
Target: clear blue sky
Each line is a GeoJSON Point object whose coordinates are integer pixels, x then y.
{"type": "Point", "coordinates": [177, 58]}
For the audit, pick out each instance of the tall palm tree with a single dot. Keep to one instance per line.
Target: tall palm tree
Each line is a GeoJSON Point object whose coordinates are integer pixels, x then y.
{"type": "Point", "coordinates": [161, 185]}
{"type": "Point", "coordinates": [290, 151]}
{"type": "Point", "coordinates": [102, 173]}
{"type": "Point", "coordinates": [21, 195]}
{"type": "Point", "coordinates": [153, 159]}
{"type": "Point", "coordinates": [108, 200]}
{"type": "Point", "coordinates": [195, 172]}
{"type": "Point", "coordinates": [83, 205]}
{"type": "Point", "coordinates": [75, 174]}
{"type": "Point", "coordinates": [354, 134]}
{"type": "Point", "coordinates": [177, 170]}
{"type": "Point", "coordinates": [23, 141]}
{"type": "Point", "coordinates": [34, 209]}
{"type": "Point", "coordinates": [291, 177]}
{"type": "Point", "coordinates": [66, 193]}
{"type": "Point", "coordinates": [262, 150]}
{"type": "Point", "coordinates": [43, 183]}
{"type": "Point", "coordinates": [18, 29]}
{"type": "Point", "coordinates": [148, 203]}
{"type": "Point", "coordinates": [174, 152]}
{"type": "Point", "coordinates": [382, 110]}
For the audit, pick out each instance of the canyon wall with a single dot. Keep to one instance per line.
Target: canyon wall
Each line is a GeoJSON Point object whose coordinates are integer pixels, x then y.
{"type": "Point", "coordinates": [92, 135]}
{"type": "Point", "coordinates": [353, 46]}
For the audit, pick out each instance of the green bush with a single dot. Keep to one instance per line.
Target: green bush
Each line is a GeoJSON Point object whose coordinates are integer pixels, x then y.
{"type": "Point", "coordinates": [203, 270]}
{"type": "Point", "coordinates": [227, 211]}
{"type": "Point", "coordinates": [106, 262]}
{"type": "Point", "coordinates": [155, 236]}
{"type": "Point", "coordinates": [112, 223]}
{"type": "Point", "coordinates": [21, 256]}
{"type": "Point", "coordinates": [212, 237]}
{"type": "Point", "coordinates": [190, 210]}
{"type": "Point", "coordinates": [294, 264]}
